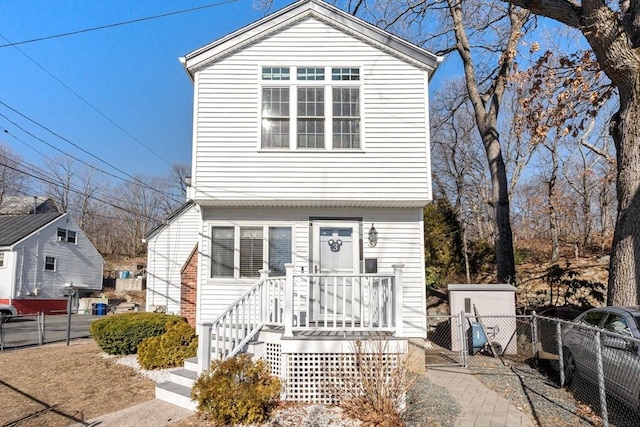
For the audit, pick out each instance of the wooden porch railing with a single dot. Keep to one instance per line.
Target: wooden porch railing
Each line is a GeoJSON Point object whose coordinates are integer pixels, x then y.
{"type": "Point", "coordinates": [302, 302]}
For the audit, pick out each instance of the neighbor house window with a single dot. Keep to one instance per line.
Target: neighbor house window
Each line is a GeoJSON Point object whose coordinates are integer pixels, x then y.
{"type": "Point", "coordinates": [65, 235]}
{"type": "Point", "coordinates": [1, 259]}
{"type": "Point", "coordinates": [311, 108]}
{"type": "Point", "coordinates": [257, 248]}
{"type": "Point", "coordinates": [50, 263]}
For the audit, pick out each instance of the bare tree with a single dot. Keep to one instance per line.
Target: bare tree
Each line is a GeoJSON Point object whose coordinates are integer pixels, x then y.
{"type": "Point", "coordinates": [12, 182]}
{"type": "Point", "coordinates": [612, 29]}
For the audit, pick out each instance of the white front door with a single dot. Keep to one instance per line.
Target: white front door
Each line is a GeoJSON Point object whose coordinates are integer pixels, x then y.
{"type": "Point", "coordinates": [336, 254]}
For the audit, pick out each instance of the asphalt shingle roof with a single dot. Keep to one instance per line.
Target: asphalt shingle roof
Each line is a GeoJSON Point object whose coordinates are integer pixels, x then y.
{"type": "Point", "coordinates": [16, 227]}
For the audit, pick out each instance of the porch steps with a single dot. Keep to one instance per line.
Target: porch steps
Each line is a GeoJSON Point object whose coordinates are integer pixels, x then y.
{"type": "Point", "coordinates": [181, 380]}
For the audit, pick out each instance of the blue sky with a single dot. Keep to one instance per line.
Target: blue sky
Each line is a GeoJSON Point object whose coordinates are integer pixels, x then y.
{"type": "Point", "coordinates": [129, 73]}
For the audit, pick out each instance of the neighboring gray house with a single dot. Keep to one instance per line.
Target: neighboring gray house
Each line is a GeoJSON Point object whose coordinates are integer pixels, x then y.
{"type": "Point", "coordinates": [41, 253]}
{"type": "Point", "coordinates": [24, 205]}
{"type": "Point", "coordinates": [310, 170]}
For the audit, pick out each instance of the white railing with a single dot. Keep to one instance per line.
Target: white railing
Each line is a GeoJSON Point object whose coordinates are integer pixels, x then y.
{"type": "Point", "coordinates": [236, 326]}
{"type": "Point", "coordinates": [303, 302]}
{"type": "Point", "coordinates": [343, 302]}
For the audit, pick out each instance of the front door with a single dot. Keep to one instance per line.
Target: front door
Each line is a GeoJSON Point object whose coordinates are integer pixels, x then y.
{"type": "Point", "coordinates": [336, 256]}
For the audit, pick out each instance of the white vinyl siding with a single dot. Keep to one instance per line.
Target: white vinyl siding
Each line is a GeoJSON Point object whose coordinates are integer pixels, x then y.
{"type": "Point", "coordinates": [389, 169]}
{"type": "Point", "coordinates": [399, 242]}
{"type": "Point", "coordinates": [167, 253]}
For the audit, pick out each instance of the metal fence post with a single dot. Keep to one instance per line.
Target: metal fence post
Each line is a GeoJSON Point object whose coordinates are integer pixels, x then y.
{"type": "Point", "coordinates": [534, 335]}
{"type": "Point", "coordinates": [1, 336]}
{"type": "Point", "coordinates": [41, 328]}
{"type": "Point", "coordinates": [560, 353]}
{"type": "Point", "coordinates": [601, 389]}
{"type": "Point", "coordinates": [463, 338]}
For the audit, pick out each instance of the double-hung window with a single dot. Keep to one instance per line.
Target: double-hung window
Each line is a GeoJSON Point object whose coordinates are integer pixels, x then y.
{"type": "Point", "coordinates": [314, 108]}
{"type": "Point", "coordinates": [50, 263]}
{"type": "Point", "coordinates": [65, 235]}
{"type": "Point", "coordinates": [1, 259]}
{"type": "Point", "coordinates": [239, 252]}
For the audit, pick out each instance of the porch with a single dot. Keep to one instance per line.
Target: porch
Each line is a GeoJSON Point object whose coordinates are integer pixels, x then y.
{"type": "Point", "coordinates": [307, 308]}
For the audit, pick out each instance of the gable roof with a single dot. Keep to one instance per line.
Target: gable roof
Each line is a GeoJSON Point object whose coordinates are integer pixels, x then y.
{"type": "Point", "coordinates": [14, 228]}
{"type": "Point", "coordinates": [302, 10]}
{"type": "Point", "coordinates": [165, 223]}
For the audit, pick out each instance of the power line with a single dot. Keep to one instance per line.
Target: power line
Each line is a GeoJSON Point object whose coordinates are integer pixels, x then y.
{"type": "Point", "coordinates": [91, 105]}
{"type": "Point", "coordinates": [136, 181]}
{"type": "Point", "coordinates": [79, 192]}
{"type": "Point", "coordinates": [102, 27]}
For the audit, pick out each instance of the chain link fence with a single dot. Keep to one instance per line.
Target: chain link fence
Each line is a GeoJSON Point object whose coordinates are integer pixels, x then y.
{"type": "Point", "coordinates": [600, 367]}
{"type": "Point", "coordinates": [27, 330]}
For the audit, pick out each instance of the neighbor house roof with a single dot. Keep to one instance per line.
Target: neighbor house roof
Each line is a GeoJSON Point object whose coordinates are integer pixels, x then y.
{"type": "Point", "coordinates": [21, 205]}
{"type": "Point", "coordinates": [302, 10]}
{"type": "Point", "coordinates": [14, 228]}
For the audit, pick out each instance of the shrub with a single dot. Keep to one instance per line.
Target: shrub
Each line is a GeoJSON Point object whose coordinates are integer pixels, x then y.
{"type": "Point", "coordinates": [169, 349]}
{"type": "Point", "coordinates": [371, 384]}
{"type": "Point", "coordinates": [122, 333]}
{"type": "Point", "coordinates": [236, 391]}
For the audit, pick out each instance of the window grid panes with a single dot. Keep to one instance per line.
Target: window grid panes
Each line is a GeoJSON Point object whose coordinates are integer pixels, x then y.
{"type": "Point", "coordinates": [310, 117]}
{"type": "Point", "coordinates": [222, 249]}
{"type": "Point", "coordinates": [345, 74]}
{"type": "Point", "coordinates": [346, 118]}
{"type": "Point", "coordinates": [310, 74]}
{"type": "Point", "coordinates": [50, 263]}
{"type": "Point", "coordinates": [275, 117]}
{"type": "Point", "coordinates": [251, 251]}
{"type": "Point", "coordinates": [279, 250]}
{"type": "Point", "coordinates": [1, 259]}
{"type": "Point", "coordinates": [275, 73]}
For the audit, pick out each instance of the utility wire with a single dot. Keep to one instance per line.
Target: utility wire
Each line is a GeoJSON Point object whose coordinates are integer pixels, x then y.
{"type": "Point", "coordinates": [134, 21]}
{"type": "Point", "coordinates": [136, 180]}
{"type": "Point", "coordinates": [39, 178]}
{"type": "Point", "coordinates": [91, 105]}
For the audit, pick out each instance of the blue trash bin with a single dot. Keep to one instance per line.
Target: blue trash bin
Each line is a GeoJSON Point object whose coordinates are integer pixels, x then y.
{"type": "Point", "coordinates": [101, 309]}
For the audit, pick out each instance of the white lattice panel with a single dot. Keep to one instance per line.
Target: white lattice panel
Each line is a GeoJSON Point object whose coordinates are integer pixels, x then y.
{"type": "Point", "coordinates": [274, 358]}
{"type": "Point", "coordinates": [308, 374]}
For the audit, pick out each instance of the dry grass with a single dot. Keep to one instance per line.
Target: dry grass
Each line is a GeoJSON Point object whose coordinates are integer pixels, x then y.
{"type": "Point", "coordinates": [56, 385]}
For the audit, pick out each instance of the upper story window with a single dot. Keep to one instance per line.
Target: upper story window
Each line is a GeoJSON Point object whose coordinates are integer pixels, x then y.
{"type": "Point", "coordinates": [65, 235]}
{"type": "Point", "coordinates": [1, 259]}
{"type": "Point", "coordinates": [311, 108]}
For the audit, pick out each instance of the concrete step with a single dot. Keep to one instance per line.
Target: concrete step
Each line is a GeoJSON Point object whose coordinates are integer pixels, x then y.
{"type": "Point", "coordinates": [183, 376]}
{"type": "Point", "coordinates": [176, 394]}
{"type": "Point", "coordinates": [191, 364]}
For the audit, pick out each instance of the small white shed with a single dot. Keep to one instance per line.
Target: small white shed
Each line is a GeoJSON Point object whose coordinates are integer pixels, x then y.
{"type": "Point", "coordinates": [496, 308]}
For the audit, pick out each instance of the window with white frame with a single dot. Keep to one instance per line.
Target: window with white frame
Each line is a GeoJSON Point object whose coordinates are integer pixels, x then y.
{"type": "Point", "coordinates": [65, 235]}
{"type": "Point", "coordinates": [257, 248]}
{"type": "Point", "coordinates": [311, 108]}
{"type": "Point", "coordinates": [50, 263]}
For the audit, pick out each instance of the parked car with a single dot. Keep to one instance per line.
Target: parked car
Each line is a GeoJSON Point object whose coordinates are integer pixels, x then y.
{"type": "Point", "coordinates": [620, 353]}
{"type": "Point", "coordinates": [7, 311]}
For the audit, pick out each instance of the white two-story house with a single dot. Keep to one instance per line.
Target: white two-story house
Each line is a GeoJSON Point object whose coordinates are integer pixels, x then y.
{"type": "Point", "coordinates": [311, 169]}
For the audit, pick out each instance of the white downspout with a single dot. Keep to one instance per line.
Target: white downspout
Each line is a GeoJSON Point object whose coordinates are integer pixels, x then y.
{"type": "Point", "coordinates": [21, 271]}
{"type": "Point", "coordinates": [35, 265]}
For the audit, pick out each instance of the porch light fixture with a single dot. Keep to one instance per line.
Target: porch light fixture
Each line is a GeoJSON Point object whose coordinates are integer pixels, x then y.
{"type": "Point", "coordinates": [373, 236]}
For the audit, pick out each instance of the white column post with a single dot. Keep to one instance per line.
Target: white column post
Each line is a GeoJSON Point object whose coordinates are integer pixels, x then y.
{"type": "Point", "coordinates": [264, 301]}
{"type": "Point", "coordinates": [204, 346]}
{"type": "Point", "coordinates": [397, 297]}
{"type": "Point", "coordinates": [288, 301]}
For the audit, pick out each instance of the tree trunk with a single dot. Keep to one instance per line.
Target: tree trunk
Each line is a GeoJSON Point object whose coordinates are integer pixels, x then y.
{"type": "Point", "coordinates": [624, 267]}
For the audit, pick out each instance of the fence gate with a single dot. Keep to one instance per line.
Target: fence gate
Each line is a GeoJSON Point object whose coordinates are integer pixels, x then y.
{"type": "Point", "coordinates": [446, 345]}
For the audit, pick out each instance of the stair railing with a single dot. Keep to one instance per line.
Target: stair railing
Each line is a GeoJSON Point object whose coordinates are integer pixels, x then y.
{"type": "Point", "coordinates": [238, 324]}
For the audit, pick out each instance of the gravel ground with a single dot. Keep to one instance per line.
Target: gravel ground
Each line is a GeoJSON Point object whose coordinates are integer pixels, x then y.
{"type": "Point", "coordinates": [538, 395]}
